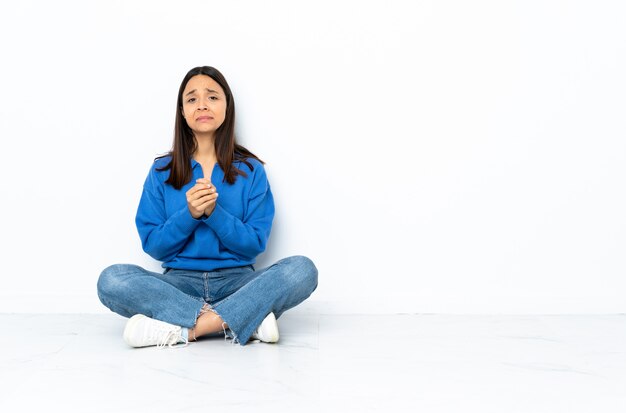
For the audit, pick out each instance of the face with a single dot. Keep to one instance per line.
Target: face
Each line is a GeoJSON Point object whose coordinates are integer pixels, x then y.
{"type": "Point", "coordinates": [204, 105]}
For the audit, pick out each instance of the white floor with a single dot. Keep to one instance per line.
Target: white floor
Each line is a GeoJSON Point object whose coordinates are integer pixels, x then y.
{"type": "Point", "coordinates": [351, 363]}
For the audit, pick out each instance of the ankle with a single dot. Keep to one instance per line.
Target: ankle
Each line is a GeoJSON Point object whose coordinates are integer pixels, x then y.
{"type": "Point", "coordinates": [191, 335]}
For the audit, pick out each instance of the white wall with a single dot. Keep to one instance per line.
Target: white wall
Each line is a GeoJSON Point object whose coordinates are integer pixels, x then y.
{"type": "Point", "coordinates": [433, 156]}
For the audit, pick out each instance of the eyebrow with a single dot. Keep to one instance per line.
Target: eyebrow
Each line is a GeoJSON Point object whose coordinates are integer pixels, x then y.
{"type": "Point", "coordinates": [210, 91]}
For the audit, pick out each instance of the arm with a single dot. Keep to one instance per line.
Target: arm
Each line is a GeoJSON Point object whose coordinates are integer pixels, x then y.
{"type": "Point", "coordinates": [161, 237]}
{"type": "Point", "coordinates": [247, 237]}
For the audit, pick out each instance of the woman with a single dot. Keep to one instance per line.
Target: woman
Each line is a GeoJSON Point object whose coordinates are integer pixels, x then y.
{"type": "Point", "coordinates": [206, 212]}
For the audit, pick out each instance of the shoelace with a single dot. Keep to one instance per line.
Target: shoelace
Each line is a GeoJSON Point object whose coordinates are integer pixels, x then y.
{"type": "Point", "coordinates": [171, 340]}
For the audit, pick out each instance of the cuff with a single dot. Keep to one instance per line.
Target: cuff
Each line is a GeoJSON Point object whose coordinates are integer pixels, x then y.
{"type": "Point", "coordinates": [218, 220]}
{"type": "Point", "coordinates": [185, 222]}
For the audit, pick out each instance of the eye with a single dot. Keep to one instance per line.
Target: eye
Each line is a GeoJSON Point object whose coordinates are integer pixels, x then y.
{"type": "Point", "coordinates": [190, 100]}
{"type": "Point", "coordinates": [214, 98]}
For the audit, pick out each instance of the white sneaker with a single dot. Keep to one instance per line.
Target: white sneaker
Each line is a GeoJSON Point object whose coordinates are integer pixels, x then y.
{"type": "Point", "coordinates": [142, 331]}
{"type": "Point", "coordinates": [268, 330]}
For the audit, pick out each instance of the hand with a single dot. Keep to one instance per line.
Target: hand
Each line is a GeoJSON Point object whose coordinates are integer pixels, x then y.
{"type": "Point", "coordinates": [201, 198]}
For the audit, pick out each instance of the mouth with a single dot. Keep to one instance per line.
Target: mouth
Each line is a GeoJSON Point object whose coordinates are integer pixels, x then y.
{"type": "Point", "coordinates": [204, 118]}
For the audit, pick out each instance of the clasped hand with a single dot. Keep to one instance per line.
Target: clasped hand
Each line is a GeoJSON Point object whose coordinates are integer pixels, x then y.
{"type": "Point", "coordinates": [201, 198]}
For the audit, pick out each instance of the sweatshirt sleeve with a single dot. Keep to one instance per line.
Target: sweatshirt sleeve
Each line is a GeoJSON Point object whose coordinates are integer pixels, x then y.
{"type": "Point", "coordinates": [162, 237]}
{"type": "Point", "coordinates": [247, 237]}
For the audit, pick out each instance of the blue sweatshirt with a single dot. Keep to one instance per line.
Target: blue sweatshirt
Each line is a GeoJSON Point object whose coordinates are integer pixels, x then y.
{"type": "Point", "coordinates": [232, 236]}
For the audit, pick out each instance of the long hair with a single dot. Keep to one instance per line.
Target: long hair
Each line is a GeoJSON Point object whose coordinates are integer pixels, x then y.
{"type": "Point", "coordinates": [227, 150]}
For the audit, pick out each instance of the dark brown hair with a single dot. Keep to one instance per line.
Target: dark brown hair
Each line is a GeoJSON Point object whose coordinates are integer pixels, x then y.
{"type": "Point", "coordinates": [227, 150]}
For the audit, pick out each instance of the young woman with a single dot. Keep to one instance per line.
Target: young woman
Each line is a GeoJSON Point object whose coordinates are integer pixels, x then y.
{"type": "Point", "coordinates": [206, 212]}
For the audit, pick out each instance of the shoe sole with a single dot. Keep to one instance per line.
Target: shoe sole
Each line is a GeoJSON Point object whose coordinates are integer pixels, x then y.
{"type": "Point", "coordinates": [130, 324]}
{"type": "Point", "coordinates": [269, 329]}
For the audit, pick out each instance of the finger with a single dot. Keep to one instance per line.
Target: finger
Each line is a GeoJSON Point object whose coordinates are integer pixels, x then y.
{"type": "Point", "coordinates": [199, 201]}
{"type": "Point", "coordinates": [204, 181]}
{"type": "Point", "coordinates": [202, 185]}
{"type": "Point", "coordinates": [199, 187]}
{"type": "Point", "coordinates": [200, 193]}
{"type": "Point", "coordinates": [195, 189]}
{"type": "Point", "coordinates": [207, 198]}
{"type": "Point", "coordinates": [206, 205]}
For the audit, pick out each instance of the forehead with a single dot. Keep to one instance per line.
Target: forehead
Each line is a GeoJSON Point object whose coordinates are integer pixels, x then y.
{"type": "Point", "coordinates": [201, 82]}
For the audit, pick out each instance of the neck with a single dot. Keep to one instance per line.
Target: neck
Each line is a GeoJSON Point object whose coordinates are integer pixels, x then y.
{"type": "Point", "coordinates": [206, 147]}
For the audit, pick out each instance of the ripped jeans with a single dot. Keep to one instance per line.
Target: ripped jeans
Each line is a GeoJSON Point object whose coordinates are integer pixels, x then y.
{"type": "Point", "coordinates": [241, 296]}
